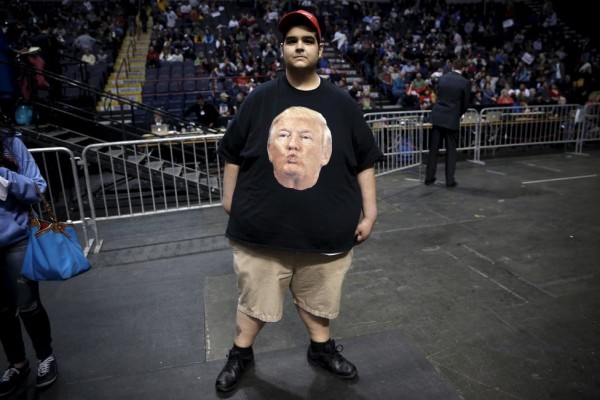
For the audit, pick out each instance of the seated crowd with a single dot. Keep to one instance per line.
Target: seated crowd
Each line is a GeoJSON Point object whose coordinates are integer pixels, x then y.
{"type": "Point", "coordinates": [515, 54]}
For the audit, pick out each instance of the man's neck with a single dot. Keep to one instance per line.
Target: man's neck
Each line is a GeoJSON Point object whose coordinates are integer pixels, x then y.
{"type": "Point", "coordinates": [303, 81]}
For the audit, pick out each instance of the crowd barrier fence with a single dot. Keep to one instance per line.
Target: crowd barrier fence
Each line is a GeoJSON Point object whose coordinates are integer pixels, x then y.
{"type": "Point", "coordinates": [183, 171]}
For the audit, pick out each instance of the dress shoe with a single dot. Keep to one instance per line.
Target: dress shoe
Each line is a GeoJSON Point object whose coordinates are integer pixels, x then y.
{"type": "Point", "coordinates": [331, 360]}
{"type": "Point", "coordinates": [451, 184]}
{"type": "Point", "coordinates": [233, 370]}
{"type": "Point", "coordinates": [430, 181]}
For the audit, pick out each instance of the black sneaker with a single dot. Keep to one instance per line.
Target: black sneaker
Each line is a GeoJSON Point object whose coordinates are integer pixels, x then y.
{"type": "Point", "coordinates": [233, 370]}
{"type": "Point", "coordinates": [12, 377]}
{"type": "Point", "coordinates": [47, 372]}
{"type": "Point", "coordinates": [331, 359]}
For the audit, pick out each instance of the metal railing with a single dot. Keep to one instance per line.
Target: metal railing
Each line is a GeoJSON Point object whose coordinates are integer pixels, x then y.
{"type": "Point", "coordinates": [58, 165]}
{"type": "Point", "coordinates": [183, 171]}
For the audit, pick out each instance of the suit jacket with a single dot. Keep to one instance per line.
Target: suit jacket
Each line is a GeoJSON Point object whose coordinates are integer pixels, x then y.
{"type": "Point", "coordinates": [453, 98]}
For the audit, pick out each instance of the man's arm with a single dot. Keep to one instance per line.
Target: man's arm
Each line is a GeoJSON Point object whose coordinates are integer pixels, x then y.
{"type": "Point", "coordinates": [230, 175]}
{"type": "Point", "coordinates": [368, 191]}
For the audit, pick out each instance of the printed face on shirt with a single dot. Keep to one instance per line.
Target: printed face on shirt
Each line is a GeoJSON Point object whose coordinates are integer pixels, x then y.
{"type": "Point", "coordinates": [299, 145]}
{"type": "Point", "coordinates": [301, 49]}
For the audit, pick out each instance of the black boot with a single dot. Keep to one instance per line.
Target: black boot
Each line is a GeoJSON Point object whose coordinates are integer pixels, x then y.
{"type": "Point", "coordinates": [238, 362]}
{"type": "Point", "coordinates": [331, 359]}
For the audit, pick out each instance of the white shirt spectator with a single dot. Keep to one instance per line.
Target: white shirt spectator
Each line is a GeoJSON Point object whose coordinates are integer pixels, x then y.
{"type": "Point", "coordinates": [185, 8]}
{"type": "Point", "coordinates": [175, 56]}
{"type": "Point", "coordinates": [273, 16]}
{"type": "Point", "coordinates": [171, 18]}
{"type": "Point", "coordinates": [233, 23]}
{"type": "Point", "coordinates": [341, 39]}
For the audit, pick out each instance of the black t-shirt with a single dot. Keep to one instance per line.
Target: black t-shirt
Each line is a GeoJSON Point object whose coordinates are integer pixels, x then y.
{"type": "Point", "coordinates": [320, 219]}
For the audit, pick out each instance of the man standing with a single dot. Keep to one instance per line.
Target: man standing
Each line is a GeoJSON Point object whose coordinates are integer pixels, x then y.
{"type": "Point", "coordinates": [453, 97]}
{"type": "Point", "coordinates": [297, 238]}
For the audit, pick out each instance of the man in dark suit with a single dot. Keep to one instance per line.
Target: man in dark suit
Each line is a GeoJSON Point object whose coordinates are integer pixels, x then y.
{"type": "Point", "coordinates": [453, 97]}
{"type": "Point", "coordinates": [206, 114]}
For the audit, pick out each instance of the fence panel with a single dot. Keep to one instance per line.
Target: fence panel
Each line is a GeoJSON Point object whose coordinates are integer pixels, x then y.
{"type": "Point", "coordinates": [58, 166]}
{"type": "Point", "coordinates": [141, 177]}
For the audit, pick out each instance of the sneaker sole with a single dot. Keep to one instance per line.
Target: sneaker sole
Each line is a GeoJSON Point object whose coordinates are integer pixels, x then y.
{"type": "Point", "coordinates": [46, 384]}
{"type": "Point", "coordinates": [343, 377]}
{"type": "Point", "coordinates": [25, 374]}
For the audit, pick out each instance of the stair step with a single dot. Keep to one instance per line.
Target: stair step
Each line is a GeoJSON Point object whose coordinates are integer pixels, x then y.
{"type": "Point", "coordinates": [124, 89]}
{"type": "Point", "coordinates": [114, 152]}
{"type": "Point", "coordinates": [136, 158]}
{"type": "Point", "coordinates": [76, 139]}
{"type": "Point", "coordinates": [173, 170]}
{"type": "Point", "coordinates": [191, 176]}
{"type": "Point", "coordinates": [155, 164]}
{"type": "Point", "coordinates": [55, 133]}
{"type": "Point", "coordinates": [124, 82]}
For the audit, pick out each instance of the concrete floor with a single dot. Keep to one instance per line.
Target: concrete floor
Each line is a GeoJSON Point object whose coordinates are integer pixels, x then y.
{"type": "Point", "coordinates": [489, 290]}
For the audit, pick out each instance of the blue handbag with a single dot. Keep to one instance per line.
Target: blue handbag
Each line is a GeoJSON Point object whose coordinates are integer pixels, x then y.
{"type": "Point", "coordinates": [53, 252]}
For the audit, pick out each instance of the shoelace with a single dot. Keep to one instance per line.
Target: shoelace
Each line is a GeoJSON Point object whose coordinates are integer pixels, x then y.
{"type": "Point", "coordinates": [9, 373]}
{"type": "Point", "coordinates": [44, 366]}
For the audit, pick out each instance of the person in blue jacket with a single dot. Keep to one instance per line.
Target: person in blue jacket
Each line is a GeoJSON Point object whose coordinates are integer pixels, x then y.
{"type": "Point", "coordinates": [19, 297]}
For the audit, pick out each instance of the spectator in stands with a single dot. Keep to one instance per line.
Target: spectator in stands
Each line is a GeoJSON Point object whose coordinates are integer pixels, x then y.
{"type": "Point", "coordinates": [206, 114]}
{"type": "Point", "coordinates": [554, 93]}
{"type": "Point", "coordinates": [171, 18]}
{"type": "Point", "coordinates": [237, 102]}
{"type": "Point", "coordinates": [366, 102]}
{"type": "Point", "coordinates": [152, 58]}
{"type": "Point", "coordinates": [233, 23]}
{"type": "Point", "coordinates": [131, 12]}
{"type": "Point", "coordinates": [88, 57]}
{"type": "Point", "coordinates": [184, 9]}
{"type": "Point", "coordinates": [340, 39]}
{"type": "Point", "coordinates": [224, 105]}
{"type": "Point", "coordinates": [385, 81]}
{"type": "Point", "coordinates": [187, 47]}
{"type": "Point", "coordinates": [143, 16]}
{"type": "Point", "coordinates": [427, 99]}
{"type": "Point", "coordinates": [247, 20]}
{"type": "Point", "coordinates": [175, 55]}
{"type": "Point", "coordinates": [505, 98]}
{"type": "Point", "coordinates": [101, 56]}
{"type": "Point", "coordinates": [398, 88]}
{"type": "Point", "coordinates": [488, 94]}
{"type": "Point", "coordinates": [84, 41]}
{"type": "Point", "coordinates": [158, 118]}
{"type": "Point", "coordinates": [356, 90]}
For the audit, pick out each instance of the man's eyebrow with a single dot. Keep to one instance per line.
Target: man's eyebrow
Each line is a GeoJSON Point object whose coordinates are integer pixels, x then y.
{"type": "Point", "coordinates": [302, 37]}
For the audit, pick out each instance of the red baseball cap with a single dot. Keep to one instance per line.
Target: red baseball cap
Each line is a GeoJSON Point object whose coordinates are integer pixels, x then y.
{"type": "Point", "coordinates": [299, 17]}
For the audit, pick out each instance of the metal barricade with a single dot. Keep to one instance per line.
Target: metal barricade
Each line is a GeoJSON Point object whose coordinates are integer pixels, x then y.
{"type": "Point", "coordinates": [140, 177]}
{"type": "Point", "coordinates": [58, 166]}
{"type": "Point", "coordinates": [400, 141]}
{"type": "Point", "coordinates": [526, 126]}
{"type": "Point", "coordinates": [131, 178]}
{"type": "Point", "coordinates": [586, 125]}
{"type": "Point", "coordinates": [399, 135]}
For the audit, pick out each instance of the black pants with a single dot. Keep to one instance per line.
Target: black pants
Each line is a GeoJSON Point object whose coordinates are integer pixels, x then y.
{"type": "Point", "coordinates": [436, 135]}
{"type": "Point", "coordinates": [20, 301]}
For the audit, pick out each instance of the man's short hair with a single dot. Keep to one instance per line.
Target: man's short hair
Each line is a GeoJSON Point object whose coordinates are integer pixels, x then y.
{"type": "Point", "coordinates": [459, 64]}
